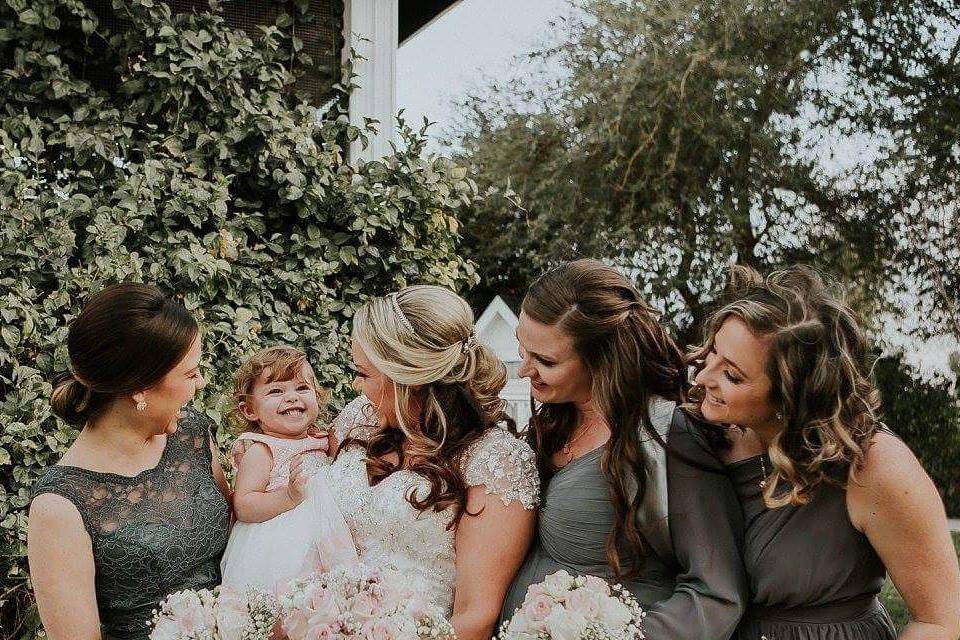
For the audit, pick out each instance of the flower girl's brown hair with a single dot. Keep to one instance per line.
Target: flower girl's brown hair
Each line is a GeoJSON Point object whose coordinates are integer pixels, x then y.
{"type": "Point", "coordinates": [280, 363]}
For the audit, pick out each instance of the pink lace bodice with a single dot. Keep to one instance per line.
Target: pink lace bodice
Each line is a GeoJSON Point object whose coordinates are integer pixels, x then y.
{"type": "Point", "coordinates": [313, 448]}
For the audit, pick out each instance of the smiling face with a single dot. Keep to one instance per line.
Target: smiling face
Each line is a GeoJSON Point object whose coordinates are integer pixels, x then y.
{"type": "Point", "coordinates": [283, 408]}
{"type": "Point", "coordinates": [376, 386]}
{"type": "Point", "coordinates": [166, 399]}
{"type": "Point", "coordinates": [734, 377]}
{"type": "Point", "coordinates": [557, 373]}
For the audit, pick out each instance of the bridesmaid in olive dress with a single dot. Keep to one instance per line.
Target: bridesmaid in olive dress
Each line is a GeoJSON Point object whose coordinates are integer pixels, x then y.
{"type": "Point", "coordinates": [136, 508]}
{"type": "Point", "coordinates": [608, 379]}
{"type": "Point", "coordinates": [832, 498]}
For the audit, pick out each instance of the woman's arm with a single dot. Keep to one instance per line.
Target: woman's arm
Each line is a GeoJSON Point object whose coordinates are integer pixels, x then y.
{"type": "Point", "coordinates": [251, 500]}
{"type": "Point", "coordinates": [489, 547]}
{"type": "Point", "coordinates": [706, 528]}
{"type": "Point", "coordinates": [62, 570]}
{"type": "Point", "coordinates": [895, 504]}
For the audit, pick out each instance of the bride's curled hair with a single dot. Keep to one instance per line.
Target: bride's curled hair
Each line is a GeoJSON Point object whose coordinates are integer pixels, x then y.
{"type": "Point", "coordinates": [447, 388]}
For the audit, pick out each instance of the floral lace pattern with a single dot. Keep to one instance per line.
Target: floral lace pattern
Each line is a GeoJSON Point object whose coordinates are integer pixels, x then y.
{"type": "Point", "coordinates": [160, 531]}
{"type": "Point", "coordinates": [386, 528]}
{"type": "Point", "coordinates": [506, 466]}
{"type": "Point", "coordinates": [312, 450]}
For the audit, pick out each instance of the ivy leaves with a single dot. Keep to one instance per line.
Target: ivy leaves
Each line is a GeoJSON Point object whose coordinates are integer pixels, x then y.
{"type": "Point", "coordinates": [170, 149]}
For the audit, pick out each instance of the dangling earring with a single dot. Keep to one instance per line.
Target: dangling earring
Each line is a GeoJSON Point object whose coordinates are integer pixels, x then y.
{"type": "Point", "coordinates": [141, 404]}
{"type": "Point", "coordinates": [779, 417]}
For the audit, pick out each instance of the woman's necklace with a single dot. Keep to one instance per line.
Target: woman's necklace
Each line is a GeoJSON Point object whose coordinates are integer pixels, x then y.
{"type": "Point", "coordinates": [763, 472]}
{"type": "Point", "coordinates": [567, 448]}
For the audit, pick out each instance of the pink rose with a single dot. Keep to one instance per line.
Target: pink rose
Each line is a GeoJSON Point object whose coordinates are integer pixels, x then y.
{"type": "Point", "coordinates": [584, 602]}
{"type": "Point", "coordinates": [295, 624]}
{"type": "Point", "coordinates": [538, 607]}
{"type": "Point", "coordinates": [231, 614]}
{"type": "Point", "coordinates": [379, 630]}
{"type": "Point", "coordinates": [535, 589]}
{"type": "Point", "coordinates": [365, 605]}
{"type": "Point", "coordinates": [190, 620]}
{"type": "Point", "coordinates": [597, 584]}
{"type": "Point", "coordinates": [164, 629]}
{"type": "Point", "coordinates": [322, 606]}
{"type": "Point", "coordinates": [320, 632]}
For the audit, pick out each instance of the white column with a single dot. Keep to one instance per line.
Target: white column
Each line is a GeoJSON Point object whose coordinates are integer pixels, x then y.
{"type": "Point", "coordinates": [370, 27]}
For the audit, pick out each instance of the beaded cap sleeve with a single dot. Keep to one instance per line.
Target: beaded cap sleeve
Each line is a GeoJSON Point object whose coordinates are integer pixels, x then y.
{"type": "Point", "coordinates": [505, 465]}
{"type": "Point", "coordinates": [354, 419]}
{"type": "Point", "coordinates": [152, 534]}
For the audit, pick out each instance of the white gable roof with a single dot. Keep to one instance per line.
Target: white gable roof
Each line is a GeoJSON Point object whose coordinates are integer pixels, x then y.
{"type": "Point", "coordinates": [497, 328]}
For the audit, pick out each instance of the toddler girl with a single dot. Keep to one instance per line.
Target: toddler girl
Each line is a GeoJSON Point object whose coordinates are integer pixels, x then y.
{"type": "Point", "coordinates": [287, 524]}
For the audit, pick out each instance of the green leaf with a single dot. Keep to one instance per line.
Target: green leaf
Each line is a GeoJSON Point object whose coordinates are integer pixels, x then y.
{"type": "Point", "coordinates": [11, 336]}
{"type": "Point", "coordinates": [30, 17]}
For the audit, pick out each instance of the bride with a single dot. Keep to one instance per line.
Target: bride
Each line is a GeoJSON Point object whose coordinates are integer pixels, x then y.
{"type": "Point", "coordinates": [428, 483]}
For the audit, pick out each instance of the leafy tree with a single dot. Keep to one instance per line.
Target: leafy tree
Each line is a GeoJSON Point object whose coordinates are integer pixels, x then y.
{"type": "Point", "coordinates": [689, 133]}
{"type": "Point", "coordinates": [172, 150]}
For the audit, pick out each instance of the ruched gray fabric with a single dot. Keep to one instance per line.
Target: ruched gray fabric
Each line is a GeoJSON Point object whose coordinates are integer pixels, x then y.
{"type": "Point", "coordinates": [699, 590]}
{"type": "Point", "coordinates": [812, 575]}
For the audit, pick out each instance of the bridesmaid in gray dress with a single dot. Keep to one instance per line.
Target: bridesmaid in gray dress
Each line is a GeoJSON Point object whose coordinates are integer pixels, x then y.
{"type": "Point", "coordinates": [832, 499]}
{"type": "Point", "coordinates": [137, 507]}
{"type": "Point", "coordinates": [609, 379]}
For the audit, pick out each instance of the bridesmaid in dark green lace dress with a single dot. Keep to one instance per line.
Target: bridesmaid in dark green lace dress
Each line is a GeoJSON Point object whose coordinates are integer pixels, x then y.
{"type": "Point", "coordinates": [832, 499]}
{"type": "Point", "coordinates": [136, 509]}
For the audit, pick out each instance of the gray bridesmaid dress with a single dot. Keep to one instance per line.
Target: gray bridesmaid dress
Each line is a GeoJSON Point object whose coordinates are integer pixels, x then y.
{"type": "Point", "coordinates": [152, 534]}
{"type": "Point", "coordinates": [695, 588]}
{"type": "Point", "coordinates": [812, 575]}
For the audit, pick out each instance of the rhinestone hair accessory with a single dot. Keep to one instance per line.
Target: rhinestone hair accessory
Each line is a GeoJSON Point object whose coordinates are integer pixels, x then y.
{"type": "Point", "coordinates": [468, 343]}
{"type": "Point", "coordinates": [396, 308]}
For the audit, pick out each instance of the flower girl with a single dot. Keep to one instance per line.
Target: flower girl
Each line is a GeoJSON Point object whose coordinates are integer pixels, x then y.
{"type": "Point", "coordinates": [288, 525]}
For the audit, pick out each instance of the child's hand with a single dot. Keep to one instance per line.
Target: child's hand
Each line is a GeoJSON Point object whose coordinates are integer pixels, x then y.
{"type": "Point", "coordinates": [296, 487]}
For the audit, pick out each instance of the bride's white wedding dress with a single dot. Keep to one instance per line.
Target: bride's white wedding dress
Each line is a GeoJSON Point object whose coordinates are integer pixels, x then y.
{"type": "Point", "coordinates": [386, 528]}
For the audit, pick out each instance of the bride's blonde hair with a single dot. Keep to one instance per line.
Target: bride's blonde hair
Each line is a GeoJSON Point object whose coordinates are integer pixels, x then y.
{"type": "Point", "coordinates": [447, 387]}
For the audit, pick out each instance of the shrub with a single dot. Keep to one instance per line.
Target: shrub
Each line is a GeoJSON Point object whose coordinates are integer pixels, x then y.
{"type": "Point", "coordinates": [926, 414]}
{"type": "Point", "coordinates": [194, 167]}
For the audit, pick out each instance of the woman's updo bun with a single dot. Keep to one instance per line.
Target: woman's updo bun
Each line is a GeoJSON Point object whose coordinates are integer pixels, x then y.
{"type": "Point", "coordinates": [447, 387]}
{"type": "Point", "coordinates": [126, 339]}
{"type": "Point", "coordinates": [71, 400]}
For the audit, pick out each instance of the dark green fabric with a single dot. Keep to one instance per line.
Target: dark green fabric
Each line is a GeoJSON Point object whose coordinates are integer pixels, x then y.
{"type": "Point", "coordinates": [812, 575]}
{"type": "Point", "coordinates": [153, 534]}
{"type": "Point", "coordinates": [699, 591]}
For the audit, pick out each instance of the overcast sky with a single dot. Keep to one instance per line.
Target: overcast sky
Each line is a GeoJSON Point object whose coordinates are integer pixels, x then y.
{"type": "Point", "coordinates": [473, 40]}
{"type": "Point", "coordinates": [478, 39]}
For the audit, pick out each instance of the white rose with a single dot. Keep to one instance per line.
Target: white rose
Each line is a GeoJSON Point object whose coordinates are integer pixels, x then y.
{"type": "Point", "coordinates": [614, 613]}
{"type": "Point", "coordinates": [557, 585]}
{"type": "Point", "coordinates": [565, 625]}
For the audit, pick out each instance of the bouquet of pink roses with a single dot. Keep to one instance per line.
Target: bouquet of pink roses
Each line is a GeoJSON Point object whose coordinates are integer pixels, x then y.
{"type": "Point", "coordinates": [358, 603]}
{"type": "Point", "coordinates": [220, 614]}
{"type": "Point", "coordinates": [563, 607]}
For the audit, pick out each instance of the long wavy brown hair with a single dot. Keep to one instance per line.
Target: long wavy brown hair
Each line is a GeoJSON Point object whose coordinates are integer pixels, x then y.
{"type": "Point", "coordinates": [817, 366]}
{"type": "Point", "coordinates": [447, 389]}
{"type": "Point", "coordinates": [630, 358]}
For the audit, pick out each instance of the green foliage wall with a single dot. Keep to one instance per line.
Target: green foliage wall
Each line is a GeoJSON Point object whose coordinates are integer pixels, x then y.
{"type": "Point", "coordinates": [926, 414]}
{"type": "Point", "coordinates": [173, 152]}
